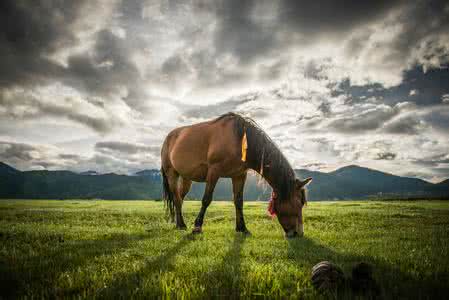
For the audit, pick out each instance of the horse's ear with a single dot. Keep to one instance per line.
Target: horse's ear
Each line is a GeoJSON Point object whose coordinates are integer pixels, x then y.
{"type": "Point", "coordinates": [307, 181]}
{"type": "Point", "coordinates": [300, 184]}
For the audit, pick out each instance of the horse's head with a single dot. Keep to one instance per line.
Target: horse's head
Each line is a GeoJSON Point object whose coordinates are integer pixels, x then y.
{"type": "Point", "coordinates": [289, 212]}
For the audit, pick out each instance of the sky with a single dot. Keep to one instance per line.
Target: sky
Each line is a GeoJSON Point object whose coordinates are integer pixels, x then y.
{"type": "Point", "coordinates": [97, 85]}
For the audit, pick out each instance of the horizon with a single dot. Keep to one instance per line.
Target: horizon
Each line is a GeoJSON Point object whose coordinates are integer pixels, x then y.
{"type": "Point", "coordinates": [97, 85]}
{"type": "Point", "coordinates": [254, 173]}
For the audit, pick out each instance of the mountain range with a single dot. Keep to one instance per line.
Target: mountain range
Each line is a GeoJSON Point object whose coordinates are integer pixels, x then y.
{"type": "Point", "coordinates": [350, 182]}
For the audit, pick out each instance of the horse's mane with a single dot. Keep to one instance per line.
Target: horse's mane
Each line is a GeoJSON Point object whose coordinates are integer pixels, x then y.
{"type": "Point", "coordinates": [263, 155]}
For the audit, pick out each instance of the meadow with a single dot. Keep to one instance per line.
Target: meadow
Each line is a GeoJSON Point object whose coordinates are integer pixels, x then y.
{"type": "Point", "coordinates": [110, 249]}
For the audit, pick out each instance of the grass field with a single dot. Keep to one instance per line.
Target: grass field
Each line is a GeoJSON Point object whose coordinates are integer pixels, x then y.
{"type": "Point", "coordinates": [108, 249]}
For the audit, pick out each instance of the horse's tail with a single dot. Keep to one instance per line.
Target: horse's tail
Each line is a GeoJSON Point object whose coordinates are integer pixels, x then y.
{"type": "Point", "coordinates": [168, 196]}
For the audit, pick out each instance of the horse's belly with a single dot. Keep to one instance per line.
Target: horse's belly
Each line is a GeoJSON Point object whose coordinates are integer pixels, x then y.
{"type": "Point", "coordinates": [189, 171]}
{"type": "Point", "coordinates": [189, 159]}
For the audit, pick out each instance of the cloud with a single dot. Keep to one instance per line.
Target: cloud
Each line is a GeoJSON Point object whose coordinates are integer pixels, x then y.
{"type": "Point", "coordinates": [332, 83]}
{"type": "Point", "coordinates": [386, 156]}
{"type": "Point", "coordinates": [331, 17]}
{"type": "Point", "coordinates": [445, 98]}
{"type": "Point", "coordinates": [29, 32]}
{"type": "Point", "coordinates": [214, 110]}
{"type": "Point", "coordinates": [126, 148]}
{"type": "Point", "coordinates": [433, 160]}
{"type": "Point", "coordinates": [117, 157]}
{"type": "Point", "coordinates": [36, 156]}
{"type": "Point", "coordinates": [409, 124]}
{"type": "Point", "coordinates": [370, 118]}
{"type": "Point", "coordinates": [438, 118]}
{"type": "Point", "coordinates": [251, 29]}
{"type": "Point", "coordinates": [413, 92]}
{"type": "Point", "coordinates": [19, 104]}
{"type": "Point", "coordinates": [34, 33]}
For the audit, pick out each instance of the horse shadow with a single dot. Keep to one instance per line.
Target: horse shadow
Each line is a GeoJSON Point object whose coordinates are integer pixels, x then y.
{"type": "Point", "coordinates": [128, 285]}
{"type": "Point", "coordinates": [42, 271]}
{"type": "Point", "coordinates": [224, 281]}
{"type": "Point", "coordinates": [219, 281]}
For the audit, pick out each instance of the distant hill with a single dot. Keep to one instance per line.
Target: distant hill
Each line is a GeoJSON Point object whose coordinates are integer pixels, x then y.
{"type": "Point", "coordinates": [7, 169]}
{"type": "Point", "coordinates": [350, 182]}
{"type": "Point", "coordinates": [443, 183]}
{"type": "Point", "coordinates": [149, 173]}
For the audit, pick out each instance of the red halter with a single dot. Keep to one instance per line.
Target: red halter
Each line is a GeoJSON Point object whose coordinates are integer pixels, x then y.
{"type": "Point", "coordinates": [271, 210]}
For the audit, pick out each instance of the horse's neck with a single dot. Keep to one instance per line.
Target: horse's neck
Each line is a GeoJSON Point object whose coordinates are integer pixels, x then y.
{"type": "Point", "coordinates": [269, 177]}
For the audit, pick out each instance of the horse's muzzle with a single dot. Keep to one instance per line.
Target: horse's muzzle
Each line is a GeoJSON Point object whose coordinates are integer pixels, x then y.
{"type": "Point", "coordinates": [294, 234]}
{"type": "Point", "coordinates": [299, 232]}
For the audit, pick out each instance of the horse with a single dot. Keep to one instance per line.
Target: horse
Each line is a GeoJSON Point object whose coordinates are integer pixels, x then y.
{"type": "Point", "coordinates": [228, 146]}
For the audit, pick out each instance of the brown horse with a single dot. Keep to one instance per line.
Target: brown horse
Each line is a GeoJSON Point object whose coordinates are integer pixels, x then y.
{"type": "Point", "coordinates": [209, 150]}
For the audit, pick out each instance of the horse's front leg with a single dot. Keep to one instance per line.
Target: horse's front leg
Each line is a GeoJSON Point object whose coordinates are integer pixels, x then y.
{"type": "Point", "coordinates": [211, 181]}
{"type": "Point", "coordinates": [238, 184]}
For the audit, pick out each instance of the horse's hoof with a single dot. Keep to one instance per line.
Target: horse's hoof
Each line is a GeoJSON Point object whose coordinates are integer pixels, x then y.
{"type": "Point", "coordinates": [245, 231]}
{"type": "Point", "coordinates": [197, 230]}
{"type": "Point", "coordinates": [181, 227]}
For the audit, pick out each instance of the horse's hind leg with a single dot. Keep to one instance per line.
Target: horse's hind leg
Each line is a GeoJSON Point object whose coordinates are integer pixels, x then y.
{"type": "Point", "coordinates": [238, 184]}
{"type": "Point", "coordinates": [183, 189]}
{"type": "Point", "coordinates": [173, 180]}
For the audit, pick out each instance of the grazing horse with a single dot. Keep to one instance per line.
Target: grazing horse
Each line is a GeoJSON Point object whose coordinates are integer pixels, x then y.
{"type": "Point", "coordinates": [227, 147]}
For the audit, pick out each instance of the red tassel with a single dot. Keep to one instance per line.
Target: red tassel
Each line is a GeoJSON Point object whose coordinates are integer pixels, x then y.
{"type": "Point", "coordinates": [270, 209]}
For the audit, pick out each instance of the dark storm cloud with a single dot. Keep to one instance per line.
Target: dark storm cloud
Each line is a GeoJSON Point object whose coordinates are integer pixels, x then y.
{"type": "Point", "coordinates": [252, 31]}
{"type": "Point", "coordinates": [106, 71]}
{"type": "Point", "coordinates": [423, 22]}
{"type": "Point", "coordinates": [28, 32]}
{"type": "Point", "coordinates": [32, 32]}
{"type": "Point", "coordinates": [248, 29]}
{"type": "Point", "coordinates": [430, 87]}
{"type": "Point", "coordinates": [205, 68]}
{"type": "Point", "coordinates": [330, 17]}
{"type": "Point", "coordinates": [13, 151]}
{"type": "Point", "coordinates": [238, 34]}
{"type": "Point", "coordinates": [424, 43]}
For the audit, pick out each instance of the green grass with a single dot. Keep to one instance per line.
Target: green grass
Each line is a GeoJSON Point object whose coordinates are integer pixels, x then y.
{"type": "Point", "coordinates": [108, 249]}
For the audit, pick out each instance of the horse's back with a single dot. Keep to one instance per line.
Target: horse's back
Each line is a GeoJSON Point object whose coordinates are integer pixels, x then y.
{"type": "Point", "coordinates": [191, 150]}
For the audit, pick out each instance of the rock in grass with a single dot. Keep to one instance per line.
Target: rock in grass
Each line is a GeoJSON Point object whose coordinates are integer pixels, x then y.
{"type": "Point", "coordinates": [327, 276]}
